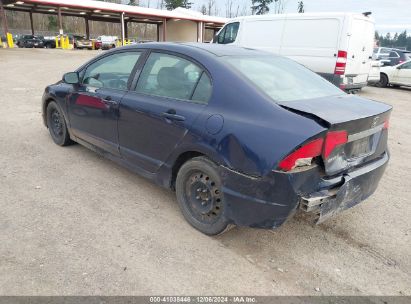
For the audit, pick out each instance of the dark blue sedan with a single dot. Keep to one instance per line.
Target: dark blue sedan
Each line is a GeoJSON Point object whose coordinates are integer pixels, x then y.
{"type": "Point", "coordinates": [243, 137]}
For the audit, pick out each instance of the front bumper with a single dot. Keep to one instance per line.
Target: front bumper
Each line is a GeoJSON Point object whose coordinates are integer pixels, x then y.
{"type": "Point", "coordinates": [267, 202]}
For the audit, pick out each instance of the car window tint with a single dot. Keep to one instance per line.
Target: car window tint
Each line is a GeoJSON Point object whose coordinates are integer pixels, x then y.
{"type": "Point", "coordinates": [203, 90]}
{"type": "Point", "coordinates": [112, 71]}
{"type": "Point", "coordinates": [169, 76]}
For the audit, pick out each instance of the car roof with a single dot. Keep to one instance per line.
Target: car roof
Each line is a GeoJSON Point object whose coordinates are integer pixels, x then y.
{"type": "Point", "coordinates": [208, 48]}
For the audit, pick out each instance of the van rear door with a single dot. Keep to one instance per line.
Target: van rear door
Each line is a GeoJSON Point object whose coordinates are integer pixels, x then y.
{"type": "Point", "coordinates": [360, 50]}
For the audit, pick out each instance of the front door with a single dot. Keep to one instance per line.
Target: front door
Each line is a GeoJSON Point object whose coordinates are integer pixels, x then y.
{"type": "Point", "coordinates": [170, 94]}
{"type": "Point", "coordinates": [93, 106]}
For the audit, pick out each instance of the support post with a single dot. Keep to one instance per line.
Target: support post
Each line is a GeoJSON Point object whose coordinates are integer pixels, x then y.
{"type": "Point", "coordinates": [200, 31]}
{"type": "Point", "coordinates": [60, 21]}
{"type": "Point", "coordinates": [87, 27]}
{"type": "Point", "coordinates": [31, 23]}
{"type": "Point", "coordinates": [122, 28]}
{"type": "Point", "coordinates": [4, 18]}
{"type": "Point", "coordinates": [158, 32]}
{"type": "Point", "coordinates": [164, 29]}
{"type": "Point", "coordinates": [126, 29]}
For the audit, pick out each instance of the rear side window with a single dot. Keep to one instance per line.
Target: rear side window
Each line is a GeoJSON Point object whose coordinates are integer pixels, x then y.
{"type": "Point", "coordinates": [174, 77]}
{"type": "Point", "coordinates": [394, 55]}
{"type": "Point", "coordinates": [282, 79]}
{"type": "Point", "coordinates": [203, 90]}
{"type": "Point", "coordinates": [229, 33]}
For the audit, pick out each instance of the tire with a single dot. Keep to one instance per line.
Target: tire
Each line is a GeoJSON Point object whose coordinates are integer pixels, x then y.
{"type": "Point", "coordinates": [383, 81]}
{"type": "Point", "coordinates": [57, 125]}
{"type": "Point", "coordinates": [199, 195]}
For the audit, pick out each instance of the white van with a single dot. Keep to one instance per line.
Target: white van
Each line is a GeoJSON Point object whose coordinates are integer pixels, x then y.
{"type": "Point", "coordinates": [338, 46]}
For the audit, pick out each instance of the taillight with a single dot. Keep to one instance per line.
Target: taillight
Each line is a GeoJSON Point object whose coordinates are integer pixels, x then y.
{"type": "Point", "coordinates": [386, 124]}
{"type": "Point", "coordinates": [333, 140]}
{"type": "Point", "coordinates": [341, 63]}
{"type": "Point", "coordinates": [303, 155]}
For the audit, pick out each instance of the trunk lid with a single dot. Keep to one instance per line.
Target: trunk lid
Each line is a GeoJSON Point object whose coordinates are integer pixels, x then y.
{"type": "Point", "coordinates": [363, 120]}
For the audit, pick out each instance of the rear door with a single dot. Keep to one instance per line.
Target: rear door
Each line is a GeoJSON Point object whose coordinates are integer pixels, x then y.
{"type": "Point", "coordinates": [360, 48]}
{"type": "Point", "coordinates": [170, 94]}
{"type": "Point", "coordinates": [404, 74]}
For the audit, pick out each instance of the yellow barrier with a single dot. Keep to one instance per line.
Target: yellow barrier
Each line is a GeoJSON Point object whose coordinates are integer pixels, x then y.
{"type": "Point", "coordinates": [1, 43]}
{"type": "Point", "coordinates": [10, 40]}
{"type": "Point", "coordinates": [57, 43]}
{"type": "Point", "coordinates": [67, 43]}
{"type": "Point", "coordinates": [61, 42]}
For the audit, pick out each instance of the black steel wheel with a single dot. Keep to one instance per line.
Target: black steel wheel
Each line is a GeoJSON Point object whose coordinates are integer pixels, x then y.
{"type": "Point", "coordinates": [57, 125]}
{"type": "Point", "coordinates": [199, 195]}
{"type": "Point", "coordinates": [383, 81]}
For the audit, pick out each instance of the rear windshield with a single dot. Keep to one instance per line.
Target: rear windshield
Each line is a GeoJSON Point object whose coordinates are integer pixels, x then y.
{"type": "Point", "coordinates": [283, 79]}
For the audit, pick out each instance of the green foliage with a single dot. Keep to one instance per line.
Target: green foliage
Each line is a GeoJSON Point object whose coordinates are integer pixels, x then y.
{"type": "Point", "coordinates": [401, 40]}
{"type": "Point", "coordinates": [261, 7]}
{"type": "Point", "coordinates": [52, 22]}
{"type": "Point", "coordinates": [133, 3]}
{"type": "Point", "coordinates": [173, 4]}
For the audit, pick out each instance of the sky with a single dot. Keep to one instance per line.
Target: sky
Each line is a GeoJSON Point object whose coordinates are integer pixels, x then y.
{"type": "Point", "coordinates": [390, 15]}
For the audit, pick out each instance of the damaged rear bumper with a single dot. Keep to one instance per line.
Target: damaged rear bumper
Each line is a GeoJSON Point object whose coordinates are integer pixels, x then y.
{"type": "Point", "coordinates": [356, 186]}
{"type": "Point", "coordinates": [267, 202]}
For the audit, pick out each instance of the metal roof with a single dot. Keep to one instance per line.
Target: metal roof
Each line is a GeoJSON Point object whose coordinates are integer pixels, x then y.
{"type": "Point", "coordinates": [101, 8]}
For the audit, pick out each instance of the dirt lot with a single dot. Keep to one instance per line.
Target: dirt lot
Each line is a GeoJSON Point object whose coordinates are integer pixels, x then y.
{"type": "Point", "coordinates": [74, 223]}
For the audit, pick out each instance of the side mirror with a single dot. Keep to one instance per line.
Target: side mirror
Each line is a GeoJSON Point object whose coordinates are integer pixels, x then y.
{"type": "Point", "coordinates": [71, 78]}
{"type": "Point", "coordinates": [399, 67]}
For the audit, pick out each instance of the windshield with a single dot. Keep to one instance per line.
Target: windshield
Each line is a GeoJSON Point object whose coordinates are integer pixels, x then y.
{"type": "Point", "coordinates": [283, 79]}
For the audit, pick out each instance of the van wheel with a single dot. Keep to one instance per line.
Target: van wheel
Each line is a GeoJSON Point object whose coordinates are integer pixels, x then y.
{"type": "Point", "coordinates": [383, 81]}
{"type": "Point", "coordinates": [199, 195]}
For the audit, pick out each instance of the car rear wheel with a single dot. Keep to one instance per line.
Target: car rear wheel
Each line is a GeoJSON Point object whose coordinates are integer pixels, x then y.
{"type": "Point", "coordinates": [57, 125]}
{"type": "Point", "coordinates": [383, 81]}
{"type": "Point", "coordinates": [198, 189]}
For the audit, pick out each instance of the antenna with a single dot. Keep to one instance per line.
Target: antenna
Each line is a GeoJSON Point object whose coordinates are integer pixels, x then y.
{"type": "Point", "coordinates": [366, 14]}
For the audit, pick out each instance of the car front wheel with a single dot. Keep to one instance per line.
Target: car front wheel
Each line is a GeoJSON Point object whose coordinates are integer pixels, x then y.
{"type": "Point", "coordinates": [57, 125]}
{"type": "Point", "coordinates": [199, 195]}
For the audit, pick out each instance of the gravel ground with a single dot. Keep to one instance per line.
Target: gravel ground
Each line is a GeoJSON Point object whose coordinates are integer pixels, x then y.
{"type": "Point", "coordinates": [74, 223]}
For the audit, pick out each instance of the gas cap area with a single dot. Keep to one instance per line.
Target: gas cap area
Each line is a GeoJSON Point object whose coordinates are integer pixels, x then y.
{"type": "Point", "coordinates": [215, 124]}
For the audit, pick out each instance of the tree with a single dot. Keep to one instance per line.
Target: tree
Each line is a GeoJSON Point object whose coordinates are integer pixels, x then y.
{"type": "Point", "coordinates": [173, 4]}
{"type": "Point", "coordinates": [261, 7]}
{"type": "Point", "coordinates": [134, 2]}
{"type": "Point", "coordinates": [52, 22]}
{"type": "Point", "coordinates": [204, 9]}
{"type": "Point", "coordinates": [301, 7]}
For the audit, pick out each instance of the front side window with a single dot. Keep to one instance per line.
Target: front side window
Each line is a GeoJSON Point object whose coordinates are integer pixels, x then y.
{"type": "Point", "coordinates": [111, 72]}
{"type": "Point", "coordinates": [394, 55]}
{"type": "Point", "coordinates": [228, 33]}
{"type": "Point", "coordinates": [282, 79]}
{"type": "Point", "coordinates": [173, 77]}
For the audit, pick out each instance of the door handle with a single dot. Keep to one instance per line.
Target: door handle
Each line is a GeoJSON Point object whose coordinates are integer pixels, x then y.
{"type": "Point", "coordinates": [111, 104]}
{"type": "Point", "coordinates": [172, 115]}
